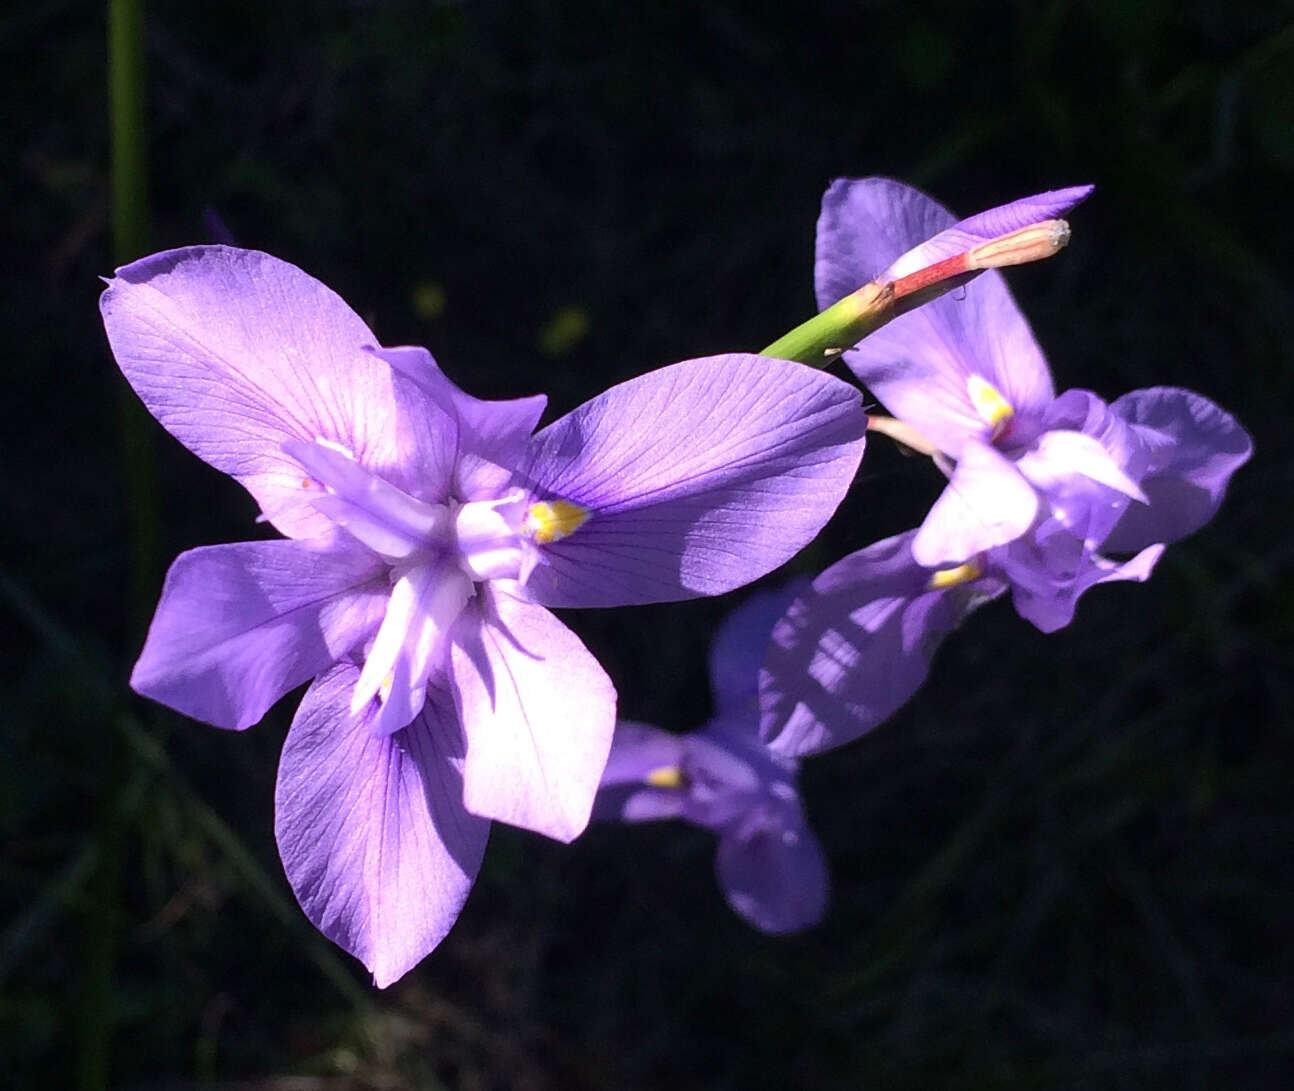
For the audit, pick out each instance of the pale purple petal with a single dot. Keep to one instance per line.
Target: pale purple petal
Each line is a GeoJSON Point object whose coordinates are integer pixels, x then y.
{"type": "Point", "coordinates": [236, 352]}
{"type": "Point", "coordinates": [1194, 448]}
{"type": "Point", "coordinates": [1050, 569]}
{"type": "Point", "coordinates": [699, 477]}
{"type": "Point", "coordinates": [539, 714]}
{"type": "Point", "coordinates": [774, 875]}
{"type": "Point", "coordinates": [494, 434]}
{"type": "Point", "coordinates": [986, 503]}
{"type": "Point", "coordinates": [638, 752]}
{"type": "Point", "coordinates": [855, 647]}
{"type": "Point", "coordinates": [372, 831]}
{"type": "Point", "coordinates": [738, 649]}
{"type": "Point", "coordinates": [240, 625]}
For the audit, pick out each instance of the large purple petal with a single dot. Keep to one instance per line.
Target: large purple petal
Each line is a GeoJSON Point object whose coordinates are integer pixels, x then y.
{"type": "Point", "coordinates": [539, 714]}
{"type": "Point", "coordinates": [773, 872]}
{"type": "Point", "coordinates": [235, 352]}
{"type": "Point", "coordinates": [1194, 448]}
{"type": "Point", "coordinates": [636, 784]}
{"type": "Point", "coordinates": [986, 503]}
{"type": "Point", "coordinates": [854, 648]}
{"type": "Point", "coordinates": [240, 625]}
{"type": "Point", "coordinates": [919, 364]}
{"type": "Point", "coordinates": [738, 649]}
{"type": "Point", "coordinates": [372, 831]}
{"type": "Point", "coordinates": [699, 477]}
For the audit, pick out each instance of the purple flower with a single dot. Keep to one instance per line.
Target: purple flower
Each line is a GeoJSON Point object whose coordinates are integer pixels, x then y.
{"type": "Point", "coordinates": [722, 778]}
{"type": "Point", "coordinates": [1043, 489]}
{"type": "Point", "coordinates": [425, 533]}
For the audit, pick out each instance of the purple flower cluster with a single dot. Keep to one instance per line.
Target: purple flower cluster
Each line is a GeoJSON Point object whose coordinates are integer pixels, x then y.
{"type": "Point", "coordinates": [1047, 495]}
{"type": "Point", "coordinates": [426, 534]}
{"type": "Point", "coordinates": [722, 778]}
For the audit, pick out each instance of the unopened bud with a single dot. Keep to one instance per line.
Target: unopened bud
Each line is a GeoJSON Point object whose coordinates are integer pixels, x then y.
{"type": "Point", "coordinates": [1033, 243]}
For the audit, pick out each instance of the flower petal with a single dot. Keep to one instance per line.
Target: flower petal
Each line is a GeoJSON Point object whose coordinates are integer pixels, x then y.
{"type": "Point", "coordinates": [775, 875]}
{"type": "Point", "coordinates": [1195, 447]}
{"type": "Point", "coordinates": [236, 352]}
{"type": "Point", "coordinates": [986, 503]}
{"type": "Point", "coordinates": [919, 364]}
{"type": "Point", "coordinates": [494, 434]}
{"type": "Point", "coordinates": [855, 647]}
{"type": "Point", "coordinates": [699, 477]}
{"type": "Point", "coordinates": [739, 645]}
{"type": "Point", "coordinates": [539, 713]}
{"type": "Point", "coordinates": [372, 831]}
{"type": "Point", "coordinates": [641, 781]}
{"type": "Point", "coordinates": [240, 625]}
{"type": "Point", "coordinates": [1050, 569]}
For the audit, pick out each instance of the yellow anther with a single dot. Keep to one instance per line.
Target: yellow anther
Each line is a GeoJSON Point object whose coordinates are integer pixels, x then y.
{"type": "Point", "coordinates": [552, 520]}
{"type": "Point", "coordinates": [951, 577]}
{"type": "Point", "coordinates": [667, 776]}
{"type": "Point", "coordinates": [384, 690]}
{"type": "Point", "coordinates": [993, 408]}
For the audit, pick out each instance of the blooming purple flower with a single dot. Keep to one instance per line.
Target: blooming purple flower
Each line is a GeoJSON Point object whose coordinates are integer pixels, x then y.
{"type": "Point", "coordinates": [769, 863]}
{"type": "Point", "coordinates": [1043, 489]}
{"type": "Point", "coordinates": [426, 532]}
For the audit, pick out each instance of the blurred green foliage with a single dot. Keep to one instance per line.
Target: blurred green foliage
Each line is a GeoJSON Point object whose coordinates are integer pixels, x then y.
{"type": "Point", "coordinates": [1066, 864]}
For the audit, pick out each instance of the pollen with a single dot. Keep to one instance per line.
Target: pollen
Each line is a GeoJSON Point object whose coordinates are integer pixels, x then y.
{"type": "Point", "coordinates": [667, 776]}
{"type": "Point", "coordinates": [993, 408]}
{"type": "Point", "coordinates": [552, 520]}
{"type": "Point", "coordinates": [951, 577]}
{"type": "Point", "coordinates": [384, 690]}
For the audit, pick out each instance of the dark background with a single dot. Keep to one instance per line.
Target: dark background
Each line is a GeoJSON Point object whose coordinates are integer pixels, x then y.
{"type": "Point", "coordinates": [1066, 864]}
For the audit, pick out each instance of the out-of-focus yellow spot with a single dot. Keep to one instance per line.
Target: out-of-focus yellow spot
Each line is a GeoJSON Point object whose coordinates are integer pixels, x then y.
{"type": "Point", "coordinates": [566, 329]}
{"type": "Point", "coordinates": [552, 520]}
{"type": "Point", "coordinates": [428, 299]}
{"type": "Point", "coordinates": [951, 577]}
{"type": "Point", "coordinates": [384, 690]}
{"type": "Point", "coordinates": [667, 776]}
{"type": "Point", "coordinates": [993, 408]}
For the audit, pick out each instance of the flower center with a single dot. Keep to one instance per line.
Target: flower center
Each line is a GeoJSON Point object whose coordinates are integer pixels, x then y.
{"type": "Point", "coordinates": [989, 402]}
{"type": "Point", "coordinates": [436, 554]}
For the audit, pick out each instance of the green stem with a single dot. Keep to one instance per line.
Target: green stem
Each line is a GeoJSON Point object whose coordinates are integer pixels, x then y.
{"type": "Point", "coordinates": [840, 326]}
{"type": "Point", "coordinates": [129, 189]}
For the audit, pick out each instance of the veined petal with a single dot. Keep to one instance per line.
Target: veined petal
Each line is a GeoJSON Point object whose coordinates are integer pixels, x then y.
{"type": "Point", "coordinates": [236, 352]}
{"type": "Point", "coordinates": [372, 831]}
{"type": "Point", "coordinates": [986, 503]}
{"type": "Point", "coordinates": [240, 625]}
{"type": "Point", "coordinates": [738, 647]}
{"type": "Point", "coordinates": [775, 875]}
{"type": "Point", "coordinates": [642, 780]}
{"type": "Point", "coordinates": [538, 711]}
{"type": "Point", "coordinates": [1194, 448]}
{"type": "Point", "coordinates": [852, 650]}
{"type": "Point", "coordinates": [919, 365]}
{"type": "Point", "coordinates": [494, 434]}
{"type": "Point", "coordinates": [698, 477]}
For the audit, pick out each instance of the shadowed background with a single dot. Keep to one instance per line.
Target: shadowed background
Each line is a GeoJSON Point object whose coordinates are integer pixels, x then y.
{"type": "Point", "coordinates": [1066, 864]}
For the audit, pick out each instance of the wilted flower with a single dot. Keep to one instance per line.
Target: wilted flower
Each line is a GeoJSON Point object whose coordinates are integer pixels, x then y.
{"type": "Point", "coordinates": [426, 532]}
{"type": "Point", "coordinates": [1045, 491]}
{"type": "Point", "coordinates": [769, 863]}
